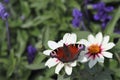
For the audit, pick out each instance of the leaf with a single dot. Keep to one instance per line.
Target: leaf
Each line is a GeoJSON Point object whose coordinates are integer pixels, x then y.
{"type": "Point", "coordinates": [27, 24]}
{"type": "Point", "coordinates": [25, 8]}
{"type": "Point", "coordinates": [110, 27]}
{"type": "Point", "coordinates": [110, 1]}
{"type": "Point", "coordinates": [35, 66]}
{"type": "Point", "coordinates": [21, 38]}
{"type": "Point", "coordinates": [105, 75]}
{"type": "Point", "coordinates": [115, 35]}
{"type": "Point", "coordinates": [49, 72]}
{"type": "Point", "coordinates": [39, 58]}
{"type": "Point", "coordinates": [11, 64]}
{"type": "Point", "coordinates": [46, 32]}
{"type": "Point", "coordinates": [82, 34]}
{"type": "Point", "coordinates": [113, 64]}
{"type": "Point", "coordinates": [61, 77]}
{"type": "Point", "coordinates": [95, 27]}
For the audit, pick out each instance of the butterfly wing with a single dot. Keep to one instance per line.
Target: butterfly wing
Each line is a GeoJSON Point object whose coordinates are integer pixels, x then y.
{"type": "Point", "coordinates": [59, 53]}
{"type": "Point", "coordinates": [74, 51]}
{"type": "Point", "coordinates": [67, 53]}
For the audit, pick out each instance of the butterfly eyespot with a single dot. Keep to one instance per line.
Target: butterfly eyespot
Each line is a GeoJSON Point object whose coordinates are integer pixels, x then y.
{"type": "Point", "coordinates": [81, 46]}
{"type": "Point", "coordinates": [53, 54]}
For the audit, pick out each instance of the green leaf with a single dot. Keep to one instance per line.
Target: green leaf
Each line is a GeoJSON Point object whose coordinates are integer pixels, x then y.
{"type": "Point", "coordinates": [110, 27]}
{"type": "Point", "coordinates": [49, 71]}
{"type": "Point", "coordinates": [21, 38]}
{"type": "Point", "coordinates": [115, 35]}
{"type": "Point", "coordinates": [25, 8]}
{"type": "Point", "coordinates": [82, 34]}
{"type": "Point", "coordinates": [104, 75]}
{"type": "Point", "coordinates": [61, 77]}
{"type": "Point", "coordinates": [39, 58]}
{"type": "Point", "coordinates": [113, 64]}
{"type": "Point", "coordinates": [11, 64]}
{"type": "Point", "coordinates": [46, 32]}
{"type": "Point", "coordinates": [35, 66]}
{"type": "Point", "coordinates": [27, 24]}
{"type": "Point", "coordinates": [110, 1]}
{"type": "Point", "coordinates": [117, 72]}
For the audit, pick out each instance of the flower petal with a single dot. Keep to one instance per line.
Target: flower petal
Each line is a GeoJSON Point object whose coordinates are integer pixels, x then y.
{"type": "Point", "coordinates": [47, 52]}
{"type": "Point", "coordinates": [53, 45]}
{"type": "Point", "coordinates": [51, 62]}
{"type": "Point", "coordinates": [100, 58]}
{"type": "Point", "coordinates": [107, 46]}
{"type": "Point", "coordinates": [60, 43]}
{"type": "Point", "coordinates": [85, 42]}
{"type": "Point", "coordinates": [83, 59]}
{"type": "Point", "coordinates": [58, 68]}
{"type": "Point", "coordinates": [65, 37]}
{"type": "Point", "coordinates": [91, 38]}
{"type": "Point", "coordinates": [99, 38]}
{"type": "Point", "coordinates": [105, 40]}
{"type": "Point", "coordinates": [73, 64]}
{"type": "Point", "coordinates": [69, 38]}
{"type": "Point", "coordinates": [107, 54]}
{"type": "Point", "coordinates": [92, 62]}
{"type": "Point", "coordinates": [68, 69]}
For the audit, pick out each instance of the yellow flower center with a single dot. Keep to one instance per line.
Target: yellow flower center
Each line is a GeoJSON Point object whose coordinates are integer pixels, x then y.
{"type": "Point", "coordinates": [94, 49]}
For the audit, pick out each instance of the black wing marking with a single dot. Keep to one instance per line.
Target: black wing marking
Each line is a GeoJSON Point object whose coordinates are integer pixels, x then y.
{"type": "Point", "coordinates": [66, 50]}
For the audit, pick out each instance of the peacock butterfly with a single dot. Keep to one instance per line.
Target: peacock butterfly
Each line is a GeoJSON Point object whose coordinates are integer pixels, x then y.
{"type": "Point", "coordinates": [67, 53]}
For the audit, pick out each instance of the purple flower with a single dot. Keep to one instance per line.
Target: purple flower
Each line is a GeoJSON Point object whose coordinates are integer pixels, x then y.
{"type": "Point", "coordinates": [102, 13]}
{"type": "Point", "coordinates": [117, 31]}
{"type": "Point", "coordinates": [77, 17]}
{"type": "Point", "coordinates": [6, 1]}
{"type": "Point", "coordinates": [3, 13]}
{"type": "Point", "coordinates": [31, 53]}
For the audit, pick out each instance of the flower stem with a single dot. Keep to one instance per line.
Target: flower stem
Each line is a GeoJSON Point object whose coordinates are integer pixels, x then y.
{"type": "Point", "coordinates": [8, 36]}
{"type": "Point", "coordinates": [83, 26]}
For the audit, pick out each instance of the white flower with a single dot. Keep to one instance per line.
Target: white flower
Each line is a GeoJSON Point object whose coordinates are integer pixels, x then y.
{"type": "Point", "coordinates": [67, 39]}
{"type": "Point", "coordinates": [96, 48]}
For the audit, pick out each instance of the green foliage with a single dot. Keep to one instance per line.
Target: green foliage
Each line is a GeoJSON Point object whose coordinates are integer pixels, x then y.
{"type": "Point", "coordinates": [38, 21]}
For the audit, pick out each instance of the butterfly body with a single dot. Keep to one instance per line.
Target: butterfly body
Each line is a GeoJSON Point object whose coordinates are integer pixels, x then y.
{"type": "Point", "coordinates": [67, 53]}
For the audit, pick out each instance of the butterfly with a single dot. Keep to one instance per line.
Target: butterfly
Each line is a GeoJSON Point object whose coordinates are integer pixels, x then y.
{"type": "Point", "coordinates": [67, 53]}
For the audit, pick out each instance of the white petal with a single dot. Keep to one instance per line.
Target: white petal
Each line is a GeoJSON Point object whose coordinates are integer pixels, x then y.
{"type": "Point", "coordinates": [70, 38]}
{"type": "Point", "coordinates": [105, 40]}
{"type": "Point", "coordinates": [83, 59]}
{"type": "Point", "coordinates": [85, 42]}
{"type": "Point", "coordinates": [91, 38]}
{"type": "Point", "coordinates": [60, 43]}
{"type": "Point", "coordinates": [47, 52]}
{"type": "Point", "coordinates": [107, 54]}
{"type": "Point", "coordinates": [53, 45]}
{"type": "Point", "coordinates": [92, 62]}
{"type": "Point", "coordinates": [65, 37]}
{"type": "Point", "coordinates": [73, 38]}
{"type": "Point", "coordinates": [99, 38]}
{"type": "Point", "coordinates": [107, 46]}
{"type": "Point", "coordinates": [100, 58]}
{"type": "Point", "coordinates": [68, 69]}
{"type": "Point", "coordinates": [58, 68]}
{"type": "Point", "coordinates": [51, 62]}
{"type": "Point", "coordinates": [73, 64]}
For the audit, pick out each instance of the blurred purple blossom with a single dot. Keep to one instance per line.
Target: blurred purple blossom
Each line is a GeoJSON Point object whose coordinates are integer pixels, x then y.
{"type": "Point", "coordinates": [102, 13]}
{"type": "Point", "coordinates": [3, 13]}
{"type": "Point", "coordinates": [22, 17]}
{"type": "Point", "coordinates": [117, 31]}
{"type": "Point", "coordinates": [31, 53]}
{"type": "Point", "coordinates": [6, 1]}
{"type": "Point", "coordinates": [77, 17]}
